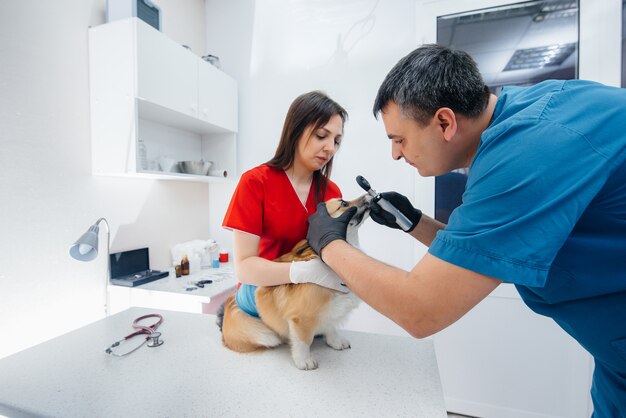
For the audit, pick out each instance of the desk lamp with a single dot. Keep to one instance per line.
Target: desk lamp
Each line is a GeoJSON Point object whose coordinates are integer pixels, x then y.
{"type": "Point", "coordinates": [86, 249]}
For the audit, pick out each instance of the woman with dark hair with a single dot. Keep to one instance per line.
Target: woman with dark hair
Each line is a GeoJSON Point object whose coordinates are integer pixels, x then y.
{"type": "Point", "coordinates": [269, 209]}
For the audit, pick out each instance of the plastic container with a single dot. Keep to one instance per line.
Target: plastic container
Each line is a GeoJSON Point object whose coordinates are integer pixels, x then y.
{"type": "Point", "coordinates": [194, 263]}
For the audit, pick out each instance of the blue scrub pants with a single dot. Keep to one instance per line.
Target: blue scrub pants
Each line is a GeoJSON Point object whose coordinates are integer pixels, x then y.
{"type": "Point", "coordinates": [608, 393]}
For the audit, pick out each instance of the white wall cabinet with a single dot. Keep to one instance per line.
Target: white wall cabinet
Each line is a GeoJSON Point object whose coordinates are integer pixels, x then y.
{"type": "Point", "coordinates": [167, 74]}
{"type": "Point", "coordinates": [217, 97]}
{"type": "Point", "coordinates": [502, 360]}
{"type": "Point", "coordinates": [146, 86]}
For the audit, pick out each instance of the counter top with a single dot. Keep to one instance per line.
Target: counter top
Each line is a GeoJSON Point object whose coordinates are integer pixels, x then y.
{"type": "Point", "coordinates": [193, 374]}
{"type": "Point", "coordinates": [223, 280]}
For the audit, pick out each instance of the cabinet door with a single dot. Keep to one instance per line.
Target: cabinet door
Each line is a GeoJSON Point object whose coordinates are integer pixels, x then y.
{"type": "Point", "coordinates": [167, 73]}
{"type": "Point", "coordinates": [503, 360]}
{"type": "Point", "coordinates": [217, 97]}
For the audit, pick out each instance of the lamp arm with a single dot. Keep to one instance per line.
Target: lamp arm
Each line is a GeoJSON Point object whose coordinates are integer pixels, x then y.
{"type": "Point", "coordinates": [108, 275]}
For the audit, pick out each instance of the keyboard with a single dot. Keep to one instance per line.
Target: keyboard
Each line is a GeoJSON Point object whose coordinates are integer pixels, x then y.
{"type": "Point", "coordinates": [139, 278]}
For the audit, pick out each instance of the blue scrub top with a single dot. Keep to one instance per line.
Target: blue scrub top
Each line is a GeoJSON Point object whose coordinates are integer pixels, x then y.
{"type": "Point", "coordinates": [545, 208]}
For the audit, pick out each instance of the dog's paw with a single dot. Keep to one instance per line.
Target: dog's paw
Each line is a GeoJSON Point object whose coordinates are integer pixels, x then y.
{"type": "Point", "coordinates": [337, 342]}
{"type": "Point", "coordinates": [306, 364]}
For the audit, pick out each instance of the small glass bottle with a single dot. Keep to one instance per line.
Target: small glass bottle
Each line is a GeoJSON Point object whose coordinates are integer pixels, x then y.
{"type": "Point", "coordinates": [184, 266]}
{"type": "Point", "coordinates": [142, 155]}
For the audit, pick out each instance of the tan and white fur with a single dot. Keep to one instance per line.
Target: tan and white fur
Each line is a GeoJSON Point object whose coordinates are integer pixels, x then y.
{"type": "Point", "coordinates": [296, 313]}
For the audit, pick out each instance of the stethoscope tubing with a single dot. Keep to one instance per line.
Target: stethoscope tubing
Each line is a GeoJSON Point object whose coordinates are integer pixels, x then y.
{"type": "Point", "coordinates": [146, 330]}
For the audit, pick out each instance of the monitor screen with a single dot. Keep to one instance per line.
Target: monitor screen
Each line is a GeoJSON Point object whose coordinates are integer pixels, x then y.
{"type": "Point", "coordinates": [129, 262]}
{"type": "Point", "coordinates": [517, 44]}
{"type": "Point", "coordinates": [149, 13]}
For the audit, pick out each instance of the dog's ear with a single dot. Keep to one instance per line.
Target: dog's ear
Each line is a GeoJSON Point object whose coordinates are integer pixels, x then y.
{"type": "Point", "coordinates": [333, 207]}
{"type": "Point", "coordinates": [301, 247]}
{"type": "Point", "coordinates": [305, 252]}
{"type": "Point", "coordinates": [302, 251]}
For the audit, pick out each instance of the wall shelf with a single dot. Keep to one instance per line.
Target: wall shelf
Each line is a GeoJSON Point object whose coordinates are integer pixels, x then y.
{"type": "Point", "coordinates": [146, 86]}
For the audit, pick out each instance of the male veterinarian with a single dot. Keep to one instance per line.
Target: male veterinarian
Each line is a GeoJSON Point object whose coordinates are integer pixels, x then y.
{"type": "Point", "coordinates": [544, 207]}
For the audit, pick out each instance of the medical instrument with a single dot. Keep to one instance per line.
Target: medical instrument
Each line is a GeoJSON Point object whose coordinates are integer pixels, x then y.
{"type": "Point", "coordinates": [402, 221]}
{"type": "Point", "coordinates": [201, 283]}
{"type": "Point", "coordinates": [150, 332]}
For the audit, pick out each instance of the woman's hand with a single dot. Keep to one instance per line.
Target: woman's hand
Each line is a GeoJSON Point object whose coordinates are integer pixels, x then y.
{"type": "Point", "coordinates": [315, 271]}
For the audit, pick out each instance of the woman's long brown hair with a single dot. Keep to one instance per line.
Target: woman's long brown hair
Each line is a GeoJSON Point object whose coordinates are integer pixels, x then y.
{"type": "Point", "coordinates": [313, 108]}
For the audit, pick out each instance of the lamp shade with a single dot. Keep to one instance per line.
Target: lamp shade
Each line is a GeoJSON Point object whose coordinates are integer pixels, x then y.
{"type": "Point", "coordinates": [86, 247]}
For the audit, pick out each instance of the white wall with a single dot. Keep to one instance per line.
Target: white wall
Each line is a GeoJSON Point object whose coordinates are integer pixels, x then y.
{"type": "Point", "coordinates": [48, 195]}
{"type": "Point", "coordinates": [277, 52]}
{"type": "Point", "coordinates": [184, 22]}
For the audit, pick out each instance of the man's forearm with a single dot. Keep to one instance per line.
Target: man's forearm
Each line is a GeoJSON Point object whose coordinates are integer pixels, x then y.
{"type": "Point", "coordinates": [426, 229]}
{"type": "Point", "coordinates": [424, 301]}
{"type": "Point", "coordinates": [387, 289]}
{"type": "Point", "coordinates": [368, 278]}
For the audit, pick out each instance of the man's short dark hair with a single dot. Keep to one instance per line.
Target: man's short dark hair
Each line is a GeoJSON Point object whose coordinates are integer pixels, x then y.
{"type": "Point", "coordinates": [432, 77]}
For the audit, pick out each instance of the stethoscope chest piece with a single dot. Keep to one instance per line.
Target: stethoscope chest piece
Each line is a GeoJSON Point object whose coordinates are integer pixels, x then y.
{"type": "Point", "coordinates": [154, 339]}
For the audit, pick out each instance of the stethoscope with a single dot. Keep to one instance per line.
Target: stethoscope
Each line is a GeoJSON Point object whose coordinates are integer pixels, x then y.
{"type": "Point", "coordinates": [150, 331]}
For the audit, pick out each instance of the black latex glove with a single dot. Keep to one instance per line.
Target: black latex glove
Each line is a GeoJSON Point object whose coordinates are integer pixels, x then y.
{"type": "Point", "coordinates": [324, 229]}
{"type": "Point", "coordinates": [381, 216]}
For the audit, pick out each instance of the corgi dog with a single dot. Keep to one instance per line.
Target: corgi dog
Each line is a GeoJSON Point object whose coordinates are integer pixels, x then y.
{"type": "Point", "coordinates": [295, 313]}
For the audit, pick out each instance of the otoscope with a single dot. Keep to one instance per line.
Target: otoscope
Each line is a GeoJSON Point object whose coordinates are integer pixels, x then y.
{"type": "Point", "coordinates": [402, 221]}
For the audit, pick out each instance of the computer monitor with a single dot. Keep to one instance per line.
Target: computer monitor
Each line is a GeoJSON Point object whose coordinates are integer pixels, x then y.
{"type": "Point", "coordinates": [129, 262]}
{"type": "Point", "coordinates": [515, 44]}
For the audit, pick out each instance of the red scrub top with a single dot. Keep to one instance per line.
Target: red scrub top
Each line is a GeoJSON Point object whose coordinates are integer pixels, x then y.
{"type": "Point", "coordinates": [265, 204]}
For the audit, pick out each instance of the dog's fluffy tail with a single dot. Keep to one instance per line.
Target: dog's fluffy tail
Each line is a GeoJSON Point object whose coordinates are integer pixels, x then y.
{"type": "Point", "coordinates": [220, 316]}
{"type": "Point", "coordinates": [244, 333]}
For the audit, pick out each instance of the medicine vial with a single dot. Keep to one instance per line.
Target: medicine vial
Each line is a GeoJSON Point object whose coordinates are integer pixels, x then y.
{"type": "Point", "coordinates": [184, 266]}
